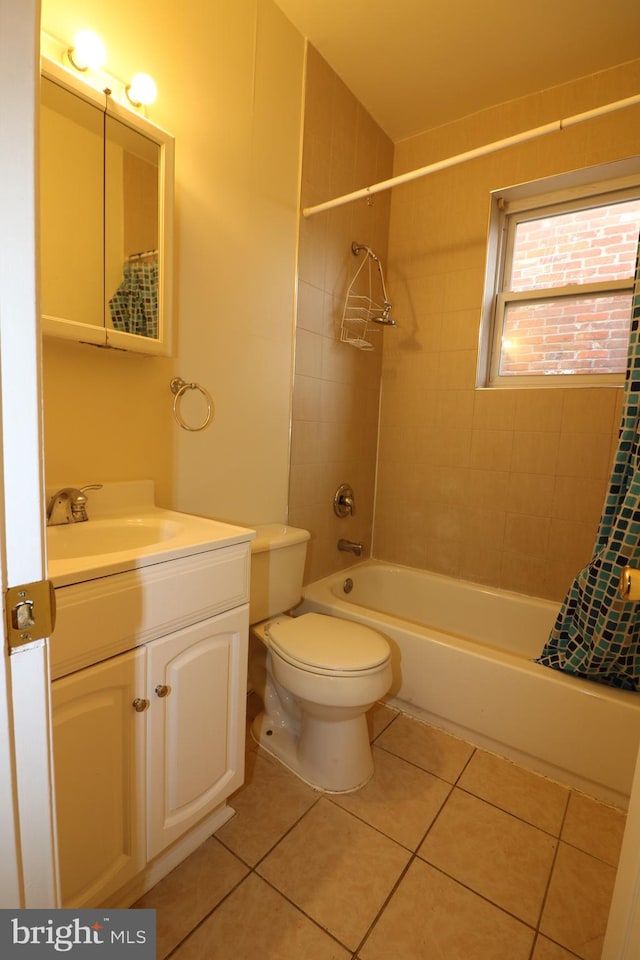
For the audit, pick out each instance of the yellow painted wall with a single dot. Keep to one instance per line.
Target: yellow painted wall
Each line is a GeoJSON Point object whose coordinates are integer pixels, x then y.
{"type": "Point", "coordinates": [230, 78]}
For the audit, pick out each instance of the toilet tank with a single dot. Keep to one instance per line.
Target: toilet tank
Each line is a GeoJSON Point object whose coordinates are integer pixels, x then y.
{"type": "Point", "coordinates": [277, 568]}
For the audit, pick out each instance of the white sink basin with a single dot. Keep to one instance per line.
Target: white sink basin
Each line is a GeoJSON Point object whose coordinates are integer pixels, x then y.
{"type": "Point", "coordinates": [126, 531]}
{"type": "Point", "coordinates": [99, 537]}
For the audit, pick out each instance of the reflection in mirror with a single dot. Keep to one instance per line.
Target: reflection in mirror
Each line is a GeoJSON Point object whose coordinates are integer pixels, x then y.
{"type": "Point", "coordinates": [71, 206]}
{"type": "Point", "coordinates": [131, 230]}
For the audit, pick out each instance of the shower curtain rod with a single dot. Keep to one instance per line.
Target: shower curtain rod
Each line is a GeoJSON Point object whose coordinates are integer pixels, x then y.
{"type": "Point", "coordinates": [553, 127]}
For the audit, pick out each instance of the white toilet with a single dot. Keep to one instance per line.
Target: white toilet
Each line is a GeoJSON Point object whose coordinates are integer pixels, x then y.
{"type": "Point", "coordinates": [317, 675]}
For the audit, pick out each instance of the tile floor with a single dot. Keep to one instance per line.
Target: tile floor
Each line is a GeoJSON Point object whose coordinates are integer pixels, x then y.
{"type": "Point", "coordinates": [449, 853]}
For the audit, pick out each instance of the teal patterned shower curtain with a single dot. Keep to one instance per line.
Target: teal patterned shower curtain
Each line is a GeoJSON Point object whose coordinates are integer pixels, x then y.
{"type": "Point", "coordinates": [597, 633]}
{"type": "Point", "coordinates": [134, 305]}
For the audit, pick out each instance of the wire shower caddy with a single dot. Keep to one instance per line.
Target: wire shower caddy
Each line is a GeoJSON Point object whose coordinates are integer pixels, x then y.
{"type": "Point", "coordinates": [364, 314]}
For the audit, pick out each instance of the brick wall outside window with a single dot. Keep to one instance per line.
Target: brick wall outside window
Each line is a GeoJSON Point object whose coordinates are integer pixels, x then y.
{"type": "Point", "coordinates": [571, 334]}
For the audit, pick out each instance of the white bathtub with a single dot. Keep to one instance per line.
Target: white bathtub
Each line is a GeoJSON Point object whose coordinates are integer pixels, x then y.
{"type": "Point", "coordinates": [462, 658]}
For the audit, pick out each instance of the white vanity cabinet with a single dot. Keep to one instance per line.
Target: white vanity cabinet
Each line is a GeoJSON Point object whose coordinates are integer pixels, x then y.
{"type": "Point", "coordinates": [148, 742]}
{"type": "Point", "coordinates": [99, 743]}
{"type": "Point", "coordinates": [196, 682]}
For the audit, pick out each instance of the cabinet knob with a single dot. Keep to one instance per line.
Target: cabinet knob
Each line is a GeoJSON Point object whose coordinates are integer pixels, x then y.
{"type": "Point", "coordinates": [140, 704]}
{"type": "Point", "coordinates": [162, 690]}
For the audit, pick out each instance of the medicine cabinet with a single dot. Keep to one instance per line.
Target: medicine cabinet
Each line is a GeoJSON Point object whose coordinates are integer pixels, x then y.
{"type": "Point", "coordinates": [106, 215]}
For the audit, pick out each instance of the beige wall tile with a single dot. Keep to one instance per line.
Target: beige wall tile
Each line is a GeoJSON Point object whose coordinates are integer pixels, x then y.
{"type": "Point", "coordinates": [495, 409]}
{"type": "Point", "coordinates": [590, 410]}
{"type": "Point", "coordinates": [527, 460]}
{"type": "Point", "coordinates": [310, 308]}
{"type": "Point", "coordinates": [530, 493]}
{"type": "Point", "coordinates": [528, 535]}
{"type": "Point", "coordinates": [480, 562]}
{"type": "Point", "coordinates": [454, 409]}
{"type": "Point", "coordinates": [539, 409]}
{"type": "Point", "coordinates": [578, 498]}
{"type": "Point", "coordinates": [585, 455]}
{"type": "Point", "coordinates": [451, 448]}
{"type": "Point", "coordinates": [456, 369]}
{"type": "Point", "coordinates": [525, 574]}
{"type": "Point", "coordinates": [440, 556]}
{"type": "Point", "coordinates": [460, 330]}
{"type": "Point", "coordinates": [558, 441]}
{"type": "Point", "coordinates": [336, 387]}
{"type": "Point", "coordinates": [306, 398]}
{"type": "Point", "coordinates": [446, 484]}
{"type": "Point", "coordinates": [535, 452]}
{"type": "Point", "coordinates": [491, 450]}
{"type": "Point", "coordinates": [487, 488]}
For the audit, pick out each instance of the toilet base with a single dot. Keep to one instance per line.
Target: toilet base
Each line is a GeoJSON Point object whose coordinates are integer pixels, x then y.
{"type": "Point", "coordinates": [311, 756]}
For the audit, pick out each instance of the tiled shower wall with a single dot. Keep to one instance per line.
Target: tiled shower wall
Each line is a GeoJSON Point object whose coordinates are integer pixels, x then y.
{"type": "Point", "coordinates": [501, 487]}
{"type": "Point", "coordinates": [336, 386]}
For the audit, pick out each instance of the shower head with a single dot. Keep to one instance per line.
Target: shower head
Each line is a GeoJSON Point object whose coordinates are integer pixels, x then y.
{"type": "Point", "coordinates": [384, 319]}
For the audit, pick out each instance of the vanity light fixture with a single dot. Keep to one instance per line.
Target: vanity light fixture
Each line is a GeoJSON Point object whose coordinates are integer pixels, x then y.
{"type": "Point", "coordinates": [88, 51]}
{"type": "Point", "coordinates": [142, 90]}
{"type": "Point", "coordinates": [87, 55]}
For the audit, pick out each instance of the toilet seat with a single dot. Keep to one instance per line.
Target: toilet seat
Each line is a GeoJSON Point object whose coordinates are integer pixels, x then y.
{"type": "Point", "coordinates": [327, 645]}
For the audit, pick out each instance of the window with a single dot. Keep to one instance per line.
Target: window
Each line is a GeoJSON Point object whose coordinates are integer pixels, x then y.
{"type": "Point", "coordinates": [559, 282]}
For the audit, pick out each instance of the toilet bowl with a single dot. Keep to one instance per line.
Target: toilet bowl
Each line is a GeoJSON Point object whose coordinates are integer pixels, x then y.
{"type": "Point", "coordinates": [321, 676]}
{"type": "Point", "coordinates": [317, 675]}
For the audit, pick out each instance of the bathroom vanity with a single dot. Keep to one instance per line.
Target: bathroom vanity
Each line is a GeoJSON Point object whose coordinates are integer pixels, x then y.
{"type": "Point", "coordinates": [148, 661]}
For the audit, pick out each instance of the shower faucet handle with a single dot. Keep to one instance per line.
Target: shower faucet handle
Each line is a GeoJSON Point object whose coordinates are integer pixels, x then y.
{"type": "Point", "coordinates": [343, 503]}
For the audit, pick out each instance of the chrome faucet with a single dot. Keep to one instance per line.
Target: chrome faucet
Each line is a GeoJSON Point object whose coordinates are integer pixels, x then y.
{"type": "Point", "coordinates": [69, 505]}
{"type": "Point", "coordinates": [350, 546]}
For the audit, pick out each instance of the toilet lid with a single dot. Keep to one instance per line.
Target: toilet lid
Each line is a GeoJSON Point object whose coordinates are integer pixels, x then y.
{"type": "Point", "coordinates": [322, 642]}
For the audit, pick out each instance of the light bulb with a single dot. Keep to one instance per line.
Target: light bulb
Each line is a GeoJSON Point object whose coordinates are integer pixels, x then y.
{"type": "Point", "coordinates": [141, 90]}
{"type": "Point", "coordinates": [88, 51]}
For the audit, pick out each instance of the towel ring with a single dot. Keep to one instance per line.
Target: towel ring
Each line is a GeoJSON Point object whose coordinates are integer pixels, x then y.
{"type": "Point", "coordinates": [178, 388]}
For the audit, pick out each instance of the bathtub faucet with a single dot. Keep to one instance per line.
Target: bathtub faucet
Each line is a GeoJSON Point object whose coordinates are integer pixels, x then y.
{"type": "Point", "coordinates": [349, 546]}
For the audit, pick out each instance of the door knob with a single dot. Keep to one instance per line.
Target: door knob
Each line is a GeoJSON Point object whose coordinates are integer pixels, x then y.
{"type": "Point", "coordinates": [140, 704]}
{"type": "Point", "coordinates": [162, 690]}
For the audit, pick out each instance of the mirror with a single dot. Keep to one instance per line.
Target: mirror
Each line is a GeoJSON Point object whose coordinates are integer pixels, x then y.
{"type": "Point", "coordinates": [106, 192]}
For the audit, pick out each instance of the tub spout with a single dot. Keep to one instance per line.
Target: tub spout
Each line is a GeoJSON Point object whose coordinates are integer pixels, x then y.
{"type": "Point", "coordinates": [349, 546]}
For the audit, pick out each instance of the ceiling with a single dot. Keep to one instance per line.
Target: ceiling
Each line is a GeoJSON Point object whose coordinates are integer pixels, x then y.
{"type": "Point", "coordinates": [416, 64]}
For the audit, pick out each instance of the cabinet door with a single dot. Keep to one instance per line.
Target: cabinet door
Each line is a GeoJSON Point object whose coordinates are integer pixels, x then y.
{"type": "Point", "coordinates": [99, 746]}
{"type": "Point", "coordinates": [197, 686]}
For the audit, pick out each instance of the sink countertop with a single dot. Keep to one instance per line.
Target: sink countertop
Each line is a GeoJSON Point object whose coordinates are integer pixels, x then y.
{"type": "Point", "coordinates": [185, 535]}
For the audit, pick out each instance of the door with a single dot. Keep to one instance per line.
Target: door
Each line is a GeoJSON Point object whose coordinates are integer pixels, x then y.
{"type": "Point", "coordinates": [99, 751]}
{"type": "Point", "coordinates": [197, 686]}
{"type": "Point", "coordinates": [27, 834]}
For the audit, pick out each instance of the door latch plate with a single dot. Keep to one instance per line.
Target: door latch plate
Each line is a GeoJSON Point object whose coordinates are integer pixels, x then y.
{"type": "Point", "coordinates": [30, 611]}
